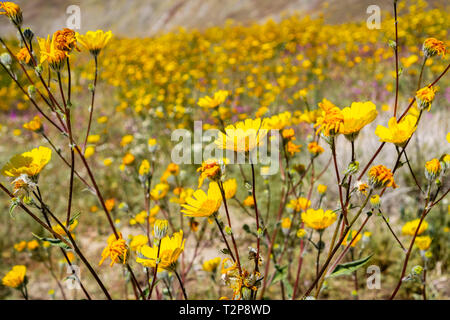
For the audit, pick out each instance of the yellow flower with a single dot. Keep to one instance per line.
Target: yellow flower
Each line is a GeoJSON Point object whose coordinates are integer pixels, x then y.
{"type": "Point", "coordinates": [292, 148]}
{"type": "Point", "coordinates": [12, 11]}
{"type": "Point", "coordinates": [89, 152]}
{"type": "Point", "coordinates": [182, 194]}
{"type": "Point", "coordinates": [425, 97]}
{"type": "Point", "coordinates": [288, 134]}
{"type": "Point", "coordinates": [230, 188]}
{"type": "Point", "coordinates": [93, 138]}
{"type": "Point", "coordinates": [278, 122]}
{"type": "Point", "coordinates": [350, 238]}
{"type": "Point", "coordinates": [331, 122]}
{"type": "Point", "coordinates": [30, 163]}
{"type": "Point", "coordinates": [286, 225]}
{"type": "Point", "coordinates": [211, 265]}
{"type": "Point", "coordinates": [209, 169]}
{"type": "Point", "coordinates": [107, 162]}
{"type": "Point", "coordinates": [109, 204]}
{"type": "Point", "coordinates": [34, 125]}
{"type": "Point", "coordinates": [159, 191]}
{"type": "Point", "coordinates": [116, 250]}
{"type": "Point", "coordinates": [315, 149]}
{"type": "Point", "coordinates": [243, 136]}
{"type": "Point", "coordinates": [59, 230]}
{"type": "Point", "coordinates": [432, 47]}
{"type": "Point", "coordinates": [127, 139]}
{"type": "Point", "coordinates": [381, 177]}
{"type": "Point", "coordinates": [50, 53]}
{"type": "Point", "coordinates": [358, 115]}
{"type": "Point", "coordinates": [208, 102]}
{"type": "Point", "coordinates": [318, 219]}
{"type": "Point", "coordinates": [410, 227]}
{"type": "Point", "coordinates": [172, 169]}
{"type": "Point", "coordinates": [94, 41]}
{"type": "Point", "coordinates": [23, 56]}
{"type": "Point", "coordinates": [171, 248]}
{"type": "Point", "coordinates": [423, 242]}
{"type": "Point", "coordinates": [15, 277]}
{"type": "Point", "coordinates": [311, 116]}
{"type": "Point", "coordinates": [144, 168]}
{"type": "Point", "coordinates": [397, 132]}
{"type": "Point", "coordinates": [321, 189]}
{"type": "Point", "coordinates": [128, 159]}
{"type": "Point", "coordinates": [138, 242]}
{"type": "Point", "coordinates": [201, 204]}
{"type": "Point", "coordinates": [249, 202]}
{"type": "Point", "coordinates": [432, 169]}
{"type": "Point", "coordinates": [301, 233]}
{"type": "Point", "coordinates": [300, 204]}
{"type": "Point", "coordinates": [33, 244]}
{"type": "Point", "coordinates": [20, 246]}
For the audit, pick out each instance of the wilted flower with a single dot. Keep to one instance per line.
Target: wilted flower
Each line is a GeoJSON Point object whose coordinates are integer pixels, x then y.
{"type": "Point", "coordinates": [315, 149]}
{"type": "Point", "coordinates": [12, 11]}
{"type": "Point", "coordinates": [116, 250]}
{"type": "Point", "coordinates": [432, 47]}
{"type": "Point", "coordinates": [209, 169]}
{"type": "Point", "coordinates": [331, 122]}
{"type": "Point", "coordinates": [425, 97]}
{"type": "Point", "coordinates": [381, 177]}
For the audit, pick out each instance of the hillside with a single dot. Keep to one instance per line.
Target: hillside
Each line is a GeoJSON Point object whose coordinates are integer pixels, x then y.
{"type": "Point", "coordinates": [143, 18]}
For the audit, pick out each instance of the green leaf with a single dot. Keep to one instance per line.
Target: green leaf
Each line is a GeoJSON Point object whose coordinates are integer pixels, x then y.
{"type": "Point", "coordinates": [349, 267]}
{"type": "Point", "coordinates": [53, 242]}
{"type": "Point", "coordinates": [280, 273]}
{"type": "Point", "coordinates": [75, 217]}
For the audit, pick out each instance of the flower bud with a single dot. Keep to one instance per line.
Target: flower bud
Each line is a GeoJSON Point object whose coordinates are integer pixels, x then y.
{"type": "Point", "coordinates": [375, 201]}
{"type": "Point", "coordinates": [32, 91]}
{"type": "Point", "coordinates": [160, 228]}
{"type": "Point", "coordinates": [417, 270]}
{"type": "Point", "coordinates": [28, 34]}
{"type": "Point", "coordinates": [6, 59]}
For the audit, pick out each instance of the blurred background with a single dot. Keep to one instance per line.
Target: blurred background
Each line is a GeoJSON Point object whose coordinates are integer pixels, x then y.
{"type": "Point", "coordinates": [138, 18]}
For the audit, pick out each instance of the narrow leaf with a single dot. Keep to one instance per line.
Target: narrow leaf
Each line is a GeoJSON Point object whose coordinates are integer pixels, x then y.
{"type": "Point", "coordinates": [349, 267]}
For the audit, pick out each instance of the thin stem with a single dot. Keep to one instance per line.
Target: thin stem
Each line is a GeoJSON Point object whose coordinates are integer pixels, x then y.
{"type": "Point", "coordinates": [222, 191]}
{"type": "Point", "coordinates": [258, 240]}
{"type": "Point", "coordinates": [224, 238]}
{"type": "Point", "coordinates": [91, 109]}
{"type": "Point", "coordinates": [181, 285]}
{"type": "Point", "coordinates": [396, 59]}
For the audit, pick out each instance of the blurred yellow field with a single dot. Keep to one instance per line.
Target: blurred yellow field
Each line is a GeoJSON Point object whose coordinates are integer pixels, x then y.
{"type": "Point", "coordinates": [291, 159]}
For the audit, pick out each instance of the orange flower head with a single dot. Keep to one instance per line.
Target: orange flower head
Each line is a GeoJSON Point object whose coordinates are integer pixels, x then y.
{"type": "Point", "coordinates": [381, 177]}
